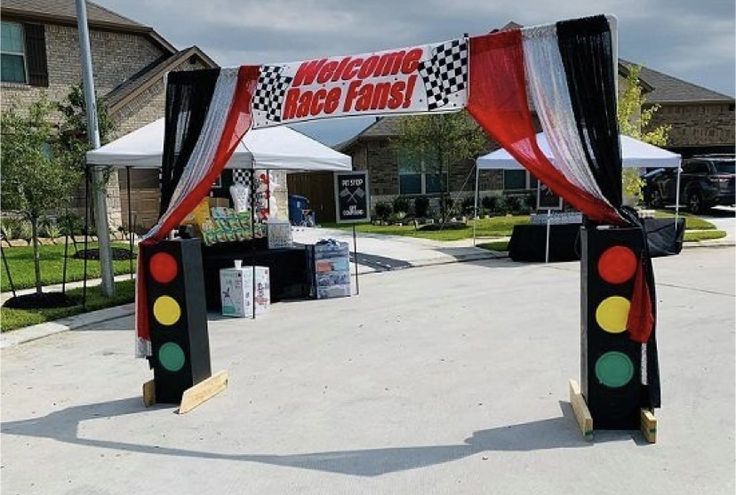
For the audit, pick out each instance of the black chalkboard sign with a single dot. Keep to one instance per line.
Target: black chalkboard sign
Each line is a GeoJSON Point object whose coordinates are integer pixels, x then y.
{"type": "Point", "coordinates": [352, 197]}
{"type": "Point", "coordinates": [546, 199]}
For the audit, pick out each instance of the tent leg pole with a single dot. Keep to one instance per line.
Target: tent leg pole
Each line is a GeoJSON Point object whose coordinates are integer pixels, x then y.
{"type": "Point", "coordinates": [253, 188]}
{"type": "Point", "coordinates": [355, 256]}
{"type": "Point", "coordinates": [475, 206]}
{"type": "Point", "coordinates": [677, 197]}
{"type": "Point", "coordinates": [130, 222]}
{"type": "Point", "coordinates": [546, 244]}
{"type": "Point", "coordinates": [86, 236]}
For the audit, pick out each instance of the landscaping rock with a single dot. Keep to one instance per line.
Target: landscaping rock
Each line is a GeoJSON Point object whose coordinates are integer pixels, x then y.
{"type": "Point", "coordinates": [18, 242]}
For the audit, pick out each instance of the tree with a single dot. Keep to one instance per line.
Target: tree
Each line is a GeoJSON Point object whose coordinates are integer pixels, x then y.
{"type": "Point", "coordinates": [73, 138]}
{"type": "Point", "coordinates": [73, 127]}
{"type": "Point", "coordinates": [39, 175]}
{"type": "Point", "coordinates": [437, 142]}
{"type": "Point", "coordinates": [634, 120]}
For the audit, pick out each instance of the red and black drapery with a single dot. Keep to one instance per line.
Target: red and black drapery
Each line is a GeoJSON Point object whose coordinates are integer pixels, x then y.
{"type": "Point", "coordinates": [566, 69]}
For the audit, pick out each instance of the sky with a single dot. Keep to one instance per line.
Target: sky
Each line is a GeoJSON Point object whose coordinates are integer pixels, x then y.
{"type": "Point", "coordinates": [688, 39]}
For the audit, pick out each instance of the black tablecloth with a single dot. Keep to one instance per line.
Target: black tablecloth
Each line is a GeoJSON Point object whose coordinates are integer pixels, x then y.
{"type": "Point", "coordinates": [528, 241]}
{"type": "Point", "coordinates": [289, 275]}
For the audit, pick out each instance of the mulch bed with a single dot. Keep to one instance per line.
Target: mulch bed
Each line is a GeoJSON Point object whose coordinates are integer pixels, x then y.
{"type": "Point", "coordinates": [94, 254]}
{"type": "Point", "coordinates": [38, 301]}
{"type": "Point", "coordinates": [443, 226]}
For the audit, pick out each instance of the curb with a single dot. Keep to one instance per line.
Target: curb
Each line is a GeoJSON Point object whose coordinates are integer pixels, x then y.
{"type": "Point", "coordinates": [14, 338]}
{"type": "Point", "coordinates": [713, 243]}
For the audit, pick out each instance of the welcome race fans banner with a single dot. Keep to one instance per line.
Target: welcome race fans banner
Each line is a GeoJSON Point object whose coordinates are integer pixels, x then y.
{"type": "Point", "coordinates": [418, 79]}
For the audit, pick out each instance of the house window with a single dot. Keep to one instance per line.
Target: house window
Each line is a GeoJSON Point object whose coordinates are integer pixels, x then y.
{"type": "Point", "coordinates": [515, 180]}
{"type": "Point", "coordinates": [415, 179]}
{"type": "Point", "coordinates": [410, 176]}
{"type": "Point", "coordinates": [12, 52]}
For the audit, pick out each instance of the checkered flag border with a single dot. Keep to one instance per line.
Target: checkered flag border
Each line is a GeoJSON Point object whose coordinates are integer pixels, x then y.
{"type": "Point", "coordinates": [241, 177]}
{"type": "Point", "coordinates": [270, 91]}
{"type": "Point", "coordinates": [445, 72]}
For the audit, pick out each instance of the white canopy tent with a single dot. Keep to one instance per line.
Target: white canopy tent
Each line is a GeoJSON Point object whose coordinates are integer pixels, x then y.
{"type": "Point", "coordinates": [634, 154]}
{"type": "Point", "coordinates": [273, 148]}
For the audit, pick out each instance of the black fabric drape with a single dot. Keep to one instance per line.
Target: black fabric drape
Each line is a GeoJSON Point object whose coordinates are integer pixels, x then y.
{"type": "Point", "coordinates": [587, 54]}
{"type": "Point", "coordinates": [188, 97]}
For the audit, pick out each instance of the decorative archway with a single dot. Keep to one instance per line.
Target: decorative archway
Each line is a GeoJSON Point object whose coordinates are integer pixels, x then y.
{"type": "Point", "coordinates": [567, 70]}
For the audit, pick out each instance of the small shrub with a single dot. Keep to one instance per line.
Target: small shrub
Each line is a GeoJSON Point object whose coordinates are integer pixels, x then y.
{"type": "Point", "coordinates": [489, 203]}
{"type": "Point", "coordinates": [70, 224]}
{"type": "Point", "coordinates": [448, 206]}
{"type": "Point", "coordinates": [49, 228]}
{"type": "Point", "coordinates": [513, 204]}
{"type": "Point", "coordinates": [401, 204]}
{"type": "Point", "coordinates": [468, 205]}
{"type": "Point", "coordinates": [383, 210]}
{"type": "Point", "coordinates": [25, 232]}
{"type": "Point", "coordinates": [501, 207]}
{"type": "Point", "coordinates": [13, 228]}
{"type": "Point", "coordinates": [531, 201]}
{"type": "Point", "coordinates": [421, 207]}
{"type": "Point", "coordinates": [398, 216]}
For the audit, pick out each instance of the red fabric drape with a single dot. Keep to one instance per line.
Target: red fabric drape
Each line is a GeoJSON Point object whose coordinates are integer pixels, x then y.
{"type": "Point", "coordinates": [498, 101]}
{"type": "Point", "coordinates": [641, 315]}
{"type": "Point", "coordinates": [237, 125]}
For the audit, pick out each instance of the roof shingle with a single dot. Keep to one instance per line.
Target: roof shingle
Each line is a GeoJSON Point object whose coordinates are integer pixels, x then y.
{"type": "Point", "coordinates": [669, 89]}
{"type": "Point", "coordinates": [66, 9]}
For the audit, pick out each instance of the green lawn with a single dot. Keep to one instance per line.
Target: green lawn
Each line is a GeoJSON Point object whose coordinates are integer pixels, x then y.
{"type": "Point", "coordinates": [491, 227]}
{"type": "Point", "coordinates": [20, 260]}
{"type": "Point", "coordinates": [692, 236]}
{"type": "Point", "coordinates": [495, 245]}
{"type": "Point", "coordinates": [704, 235]}
{"type": "Point", "coordinates": [691, 222]}
{"type": "Point", "coordinates": [11, 319]}
{"type": "Point", "coordinates": [487, 227]}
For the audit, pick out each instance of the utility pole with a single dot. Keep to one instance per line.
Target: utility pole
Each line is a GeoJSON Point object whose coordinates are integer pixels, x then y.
{"type": "Point", "coordinates": [98, 177]}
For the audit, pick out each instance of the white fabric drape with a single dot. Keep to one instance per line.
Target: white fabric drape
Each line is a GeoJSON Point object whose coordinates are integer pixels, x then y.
{"type": "Point", "coordinates": [209, 138]}
{"type": "Point", "coordinates": [548, 86]}
{"type": "Point", "coordinates": [197, 166]}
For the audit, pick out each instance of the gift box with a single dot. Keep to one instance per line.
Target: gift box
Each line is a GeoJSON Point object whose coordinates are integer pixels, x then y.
{"type": "Point", "coordinates": [236, 291]}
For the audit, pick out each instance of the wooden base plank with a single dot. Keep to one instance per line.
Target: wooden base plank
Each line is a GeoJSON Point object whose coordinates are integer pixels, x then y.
{"type": "Point", "coordinates": [580, 408]}
{"type": "Point", "coordinates": [203, 391]}
{"type": "Point", "coordinates": [149, 393]}
{"type": "Point", "coordinates": [649, 425]}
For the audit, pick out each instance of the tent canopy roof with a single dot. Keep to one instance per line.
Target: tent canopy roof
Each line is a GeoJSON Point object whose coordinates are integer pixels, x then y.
{"type": "Point", "coordinates": [278, 148]}
{"type": "Point", "coordinates": [635, 154]}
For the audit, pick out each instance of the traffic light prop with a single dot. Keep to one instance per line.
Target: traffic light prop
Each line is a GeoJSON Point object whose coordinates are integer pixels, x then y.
{"type": "Point", "coordinates": [612, 393]}
{"type": "Point", "coordinates": [177, 314]}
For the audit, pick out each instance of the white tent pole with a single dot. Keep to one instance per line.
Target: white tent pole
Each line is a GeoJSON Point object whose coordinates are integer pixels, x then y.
{"type": "Point", "coordinates": [475, 209]}
{"type": "Point", "coordinates": [546, 244]}
{"type": "Point", "coordinates": [677, 197]}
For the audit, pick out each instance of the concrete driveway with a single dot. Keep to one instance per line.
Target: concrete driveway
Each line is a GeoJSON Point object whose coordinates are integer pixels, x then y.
{"type": "Point", "coordinates": [379, 252]}
{"type": "Point", "coordinates": [445, 379]}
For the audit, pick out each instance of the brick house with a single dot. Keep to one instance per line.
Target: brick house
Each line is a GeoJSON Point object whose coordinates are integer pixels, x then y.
{"type": "Point", "coordinates": [702, 121]}
{"type": "Point", "coordinates": [40, 56]}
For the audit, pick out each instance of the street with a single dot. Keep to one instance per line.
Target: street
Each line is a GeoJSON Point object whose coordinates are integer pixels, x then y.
{"type": "Point", "coordinates": [441, 379]}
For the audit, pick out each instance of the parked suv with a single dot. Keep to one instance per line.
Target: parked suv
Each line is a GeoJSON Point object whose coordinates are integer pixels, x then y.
{"type": "Point", "coordinates": [706, 181]}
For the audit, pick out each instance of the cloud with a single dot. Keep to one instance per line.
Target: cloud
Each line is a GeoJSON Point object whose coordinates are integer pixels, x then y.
{"type": "Point", "coordinates": [690, 40]}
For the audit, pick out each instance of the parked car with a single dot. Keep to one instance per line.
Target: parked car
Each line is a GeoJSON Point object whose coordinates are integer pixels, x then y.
{"type": "Point", "coordinates": [706, 181]}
